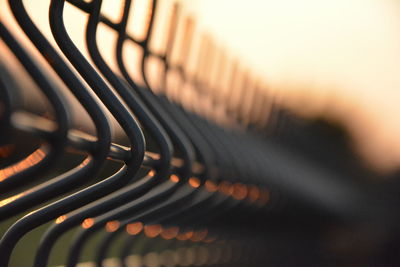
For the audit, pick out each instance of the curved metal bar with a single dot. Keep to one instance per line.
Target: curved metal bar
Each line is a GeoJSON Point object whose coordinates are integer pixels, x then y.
{"type": "Point", "coordinates": [156, 195]}
{"type": "Point", "coordinates": [240, 157]}
{"type": "Point", "coordinates": [224, 141]}
{"type": "Point", "coordinates": [219, 207]}
{"type": "Point", "coordinates": [58, 139]}
{"type": "Point", "coordinates": [203, 149]}
{"type": "Point", "coordinates": [148, 98]}
{"type": "Point", "coordinates": [177, 136]}
{"type": "Point", "coordinates": [181, 198]}
{"type": "Point", "coordinates": [132, 100]}
{"type": "Point", "coordinates": [204, 153]}
{"type": "Point", "coordinates": [176, 112]}
{"type": "Point", "coordinates": [207, 197]}
{"type": "Point", "coordinates": [133, 211]}
{"type": "Point", "coordinates": [101, 149]}
{"type": "Point", "coordinates": [200, 201]}
{"type": "Point", "coordinates": [7, 103]}
{"type": "Point", "coordinates": [165, 105]}
{"type": "Point", "coordinates": [135, 190]}
{"type": "Point", "coordinates": [176, 212]}
{"type": "Point", "coordinates": [77, 176]}
{"type": "Point", "coordinates": [231, 142]}
{"type": "Point", "coordinates": [124, 118]}
{"type": "Point", "coordinates": [222, 158]}
{"type": "Point", "coordinates": [151, 100]}
{"type": "Point", "coordinates": [71, 220]}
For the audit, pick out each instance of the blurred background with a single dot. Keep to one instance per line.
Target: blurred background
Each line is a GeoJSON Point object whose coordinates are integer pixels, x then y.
{"type": "Point", "coordinates": [336, 59]}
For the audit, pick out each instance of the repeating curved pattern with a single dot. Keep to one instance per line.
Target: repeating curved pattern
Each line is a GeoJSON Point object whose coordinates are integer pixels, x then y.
{"type": "Point", "coordinates": [162, 167]}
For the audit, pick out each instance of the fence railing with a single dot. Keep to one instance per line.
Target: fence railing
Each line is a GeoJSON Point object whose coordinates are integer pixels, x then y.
{"type": "Point", "coordinates": [160, 158]}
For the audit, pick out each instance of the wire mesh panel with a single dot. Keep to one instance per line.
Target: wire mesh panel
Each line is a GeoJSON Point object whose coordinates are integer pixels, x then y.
{"type": "Point", "coordinates": [129, 139]}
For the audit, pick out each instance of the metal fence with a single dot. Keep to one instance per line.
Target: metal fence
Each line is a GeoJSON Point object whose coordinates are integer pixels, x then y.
{"type": "Point", "coordinates": [160, 167]}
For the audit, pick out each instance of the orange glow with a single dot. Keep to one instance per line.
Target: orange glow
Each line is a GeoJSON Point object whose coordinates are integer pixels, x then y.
{"type": "Point", "coordinates": [194, 182]}
{"type": "Point", "coordinates": [22, 165]}
{"type": "Point", "coordinates": [11, 199]}
{"type": "Point", "coordinates": [199, 235]}
{"type": "Point", "coordinates": [225, 188]}
{"type": "Point", "coordinates": [112, 226]}
{"type": "Point", "coordinates": [239, 191]}
{"type": "Point", "coordinates": [151, 173]}
{"type": "Point", "coordinates": [87, 223]}
{"type": "Point", "coordinates": [61, 219]}
{"type": "Point", "coordinates": [254, 194]}
{"type": "Point", "coordinates": [264, 198]}
{"type": "Point", "coordinates": [174, 178]}
{"type": "Point", "coordinates": [170, 233]}
{"type": "Point", "coordinates": [134, 228]}
{"type": "Point", "coordinates": [184, 236]}
{"type": "Point", "coordinates": [152, 231]}
{"type": "Point", "coordinates": [209, 240]}
{"type": "Point", "coordinates": [84, 163]}
{"type": "Point", "coordinates": [5, 151]}
{"type": "Point", "coordinates": [153, 155]}
{"type": "Point", "coordinates": [211, 186]}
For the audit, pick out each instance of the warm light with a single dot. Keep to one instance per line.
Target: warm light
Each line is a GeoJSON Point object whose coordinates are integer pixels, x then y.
{"type": "Point", "coordinates": [22, 165]}
{"type": "Point", "coordinates": [151, 173]}
{"type": "Point", "coordinates": [184, 236]}
{"type": "Point", "coordinates": [112, 226]}
{"type": "Point", "coordinates": [139, 20]}
{"type": "Point", "coordinates": [169, 233]}
{"type": "Point", "coordinates": [225, 188]}
{"type": "Point", "coordinates": [174, 178]}
{"type": "Point", "coordinates": [85, 162]}
{"type": "Point", "coordinates": [134, 228]}
{"type": "Point", "coordinates": [239, 191]}
{"type": "Point", "coordinates": [194, 182]}
{"type": "Point", "coordinates": [152, 231]}
{"type": "Point", "coordinates": [254, 194]}
{"type": "Point", "coordinates": [211, 186]}
{"type": "Point", "coordinates": [87, 223]}
{"type": "Point", "coordinates": [11, 199]}
{"type": "Point", "coordinates": [199, 235]}
{"type": "Point", "coordinates": [61, 219]}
